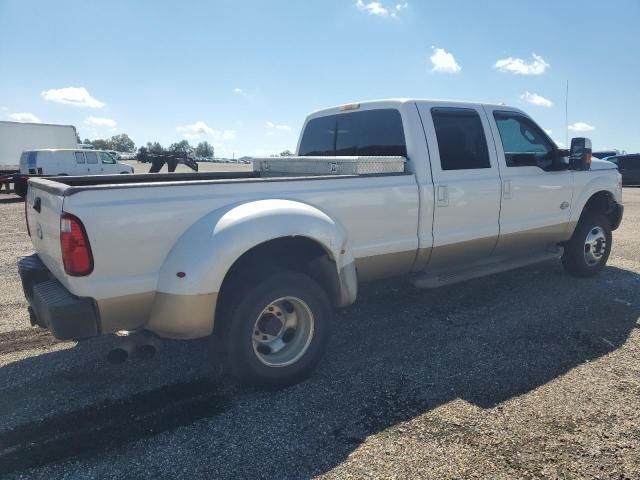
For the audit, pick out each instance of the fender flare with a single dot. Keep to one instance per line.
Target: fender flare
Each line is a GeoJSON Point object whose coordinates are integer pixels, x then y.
{"type": "Point", "coordinates": [208, 249]}
{"type": "Point", "coordinates": [600, 184]}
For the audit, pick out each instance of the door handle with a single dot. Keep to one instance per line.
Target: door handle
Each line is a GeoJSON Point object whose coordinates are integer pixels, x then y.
{"type": "Point", "coordinates": [506, 189]}
{"type": "Point", "coordinates": [443, 195]}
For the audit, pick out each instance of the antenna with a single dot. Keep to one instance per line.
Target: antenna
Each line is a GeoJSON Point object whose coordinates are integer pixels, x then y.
{"type": "Point", "coordinates": [566, 116]}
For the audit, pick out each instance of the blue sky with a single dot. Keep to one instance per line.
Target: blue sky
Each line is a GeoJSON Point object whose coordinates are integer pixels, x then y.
{"type": "Point", "coordinates": [243, 74]}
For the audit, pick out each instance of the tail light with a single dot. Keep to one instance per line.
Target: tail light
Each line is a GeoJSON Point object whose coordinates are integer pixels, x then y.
{"type": "Point", "coordinates": [26, 217]}
{"type": "Point", "coordinates": [76, 250]}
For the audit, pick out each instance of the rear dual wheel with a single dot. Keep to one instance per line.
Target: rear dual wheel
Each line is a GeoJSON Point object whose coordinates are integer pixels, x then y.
{"type": "Point", "coordinates": [278, 330]}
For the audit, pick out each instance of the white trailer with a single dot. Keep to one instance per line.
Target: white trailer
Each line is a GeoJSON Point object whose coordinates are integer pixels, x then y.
{"type": "Point", "coordinates": [16, 137]}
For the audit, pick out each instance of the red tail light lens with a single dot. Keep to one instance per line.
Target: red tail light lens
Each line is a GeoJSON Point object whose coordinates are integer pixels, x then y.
{"type": "Point", "coordinates": [26, 217]}
{"type": "Point", "coordinates": [76, 251]}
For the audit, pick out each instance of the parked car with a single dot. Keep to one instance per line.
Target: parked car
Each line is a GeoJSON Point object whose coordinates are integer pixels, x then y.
{"type": "Point", "coordinates": [70, 162]}
{"type": "Point", "coordinates": [440, 191]}
{"type": "Point", "coordinates": [602, 154]}
{"type": "Point", "coordinates": [629, 167]}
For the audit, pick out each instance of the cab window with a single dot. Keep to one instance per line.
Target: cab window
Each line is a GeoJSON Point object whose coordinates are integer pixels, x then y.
{"type": "Point", "coordinates": [105, 158]}
{"type": "Point", "coordinates": [523, 142]}
{"type": "Point", "coordinates": [366, 133]}
{"type": "Point", "coordinates": [461, 140]}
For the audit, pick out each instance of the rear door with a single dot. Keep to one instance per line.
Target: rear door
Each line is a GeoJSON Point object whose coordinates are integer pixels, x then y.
{"type": "Point", "coordinates": [536, 200]}
{"type": "Point", "coordinates": [466, 182]}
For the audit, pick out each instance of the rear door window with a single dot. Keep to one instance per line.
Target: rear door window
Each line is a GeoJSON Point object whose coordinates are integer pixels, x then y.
{"type": "Point", "coordinates": [92, 157]}
{"type": "Point", "coordinates": [461, 140]}
{"type": "Point", "coordinates": [365, 133]}
{"type": "Point", "coordinates": [80, 157]}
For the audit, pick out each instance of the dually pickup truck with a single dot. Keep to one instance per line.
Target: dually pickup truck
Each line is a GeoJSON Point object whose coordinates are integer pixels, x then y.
{"type": "Point", "coordinates": [440, 191]}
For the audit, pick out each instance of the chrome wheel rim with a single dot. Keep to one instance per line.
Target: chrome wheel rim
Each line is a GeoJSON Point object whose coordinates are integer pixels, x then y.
{"type": "Point", "coordinates": [594, 246]}
{"type": "Point", "coordinates": [282, 332]}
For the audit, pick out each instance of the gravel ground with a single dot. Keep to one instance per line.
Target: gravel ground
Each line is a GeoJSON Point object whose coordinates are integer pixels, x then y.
{"type": "Point", "coordinates": [525, 374]}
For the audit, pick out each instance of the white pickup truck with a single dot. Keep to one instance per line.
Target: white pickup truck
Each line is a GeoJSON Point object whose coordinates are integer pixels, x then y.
{"type": "Point", "coordinates": [262, 259]}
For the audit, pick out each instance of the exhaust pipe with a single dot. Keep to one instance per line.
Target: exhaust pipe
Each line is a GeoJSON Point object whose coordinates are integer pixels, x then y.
{"type": "Point", "coordinates": [118, 355]}
{"type": "Point", "coordinates": [143, 345]}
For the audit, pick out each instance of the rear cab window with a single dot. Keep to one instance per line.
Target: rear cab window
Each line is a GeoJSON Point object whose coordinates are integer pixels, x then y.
{"type": "Point", "coordinates": [376, 132]}
{"type": "Point", "coordinates": [80, 157]}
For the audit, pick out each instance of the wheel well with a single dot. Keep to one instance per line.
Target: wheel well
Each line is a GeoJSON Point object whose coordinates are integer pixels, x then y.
{"type": "Point", "coordinates": [603, 203]}
{"type": "Point", "coordinates": [300, 254]}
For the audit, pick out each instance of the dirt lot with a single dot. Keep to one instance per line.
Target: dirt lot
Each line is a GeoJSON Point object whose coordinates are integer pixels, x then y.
{"type": "Point", "coordinates": [526, 374]}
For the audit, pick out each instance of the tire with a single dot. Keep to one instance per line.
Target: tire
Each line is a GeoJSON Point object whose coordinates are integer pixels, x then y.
{"type": "Point", "coordinates": [261, 349]}
{"type": "Point", "coordinates": [587, 252]}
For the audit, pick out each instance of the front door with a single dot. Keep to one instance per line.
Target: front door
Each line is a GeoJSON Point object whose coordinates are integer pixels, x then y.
{"type": "Point", "coordinates": [466, 185]}
{"type": "Point", "coordinates": [108, 163]}
{"type": "Point", "coordinates": [536, 196]}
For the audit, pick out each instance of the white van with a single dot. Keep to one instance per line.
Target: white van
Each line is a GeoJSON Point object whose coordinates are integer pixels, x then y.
{"type": "Point", "coordinates": [71, 162]}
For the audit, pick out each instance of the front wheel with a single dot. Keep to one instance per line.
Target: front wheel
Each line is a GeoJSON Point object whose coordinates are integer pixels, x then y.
{"type": "Point", "coordinates": [279, 329]}
{"type": "Point", "coordinates": [588, 250]}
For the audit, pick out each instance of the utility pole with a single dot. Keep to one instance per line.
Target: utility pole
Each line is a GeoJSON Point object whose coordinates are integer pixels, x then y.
{"type": "Point", "coordinates": [566, 116]}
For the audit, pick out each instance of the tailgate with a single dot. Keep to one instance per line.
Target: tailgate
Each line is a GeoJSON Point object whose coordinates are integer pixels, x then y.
{"type": "Point", "coordinates": [43, 209]}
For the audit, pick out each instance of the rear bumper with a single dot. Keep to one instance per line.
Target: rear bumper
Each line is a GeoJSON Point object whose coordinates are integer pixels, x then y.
{"type": "Point", "coordinates": [52, 306]}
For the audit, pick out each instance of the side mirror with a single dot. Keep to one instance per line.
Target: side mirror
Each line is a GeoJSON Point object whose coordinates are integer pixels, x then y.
{"type": "Point", "coordinates": [580, 153]}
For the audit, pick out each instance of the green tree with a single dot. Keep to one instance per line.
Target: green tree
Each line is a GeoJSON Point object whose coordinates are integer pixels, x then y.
{"type": "Point", "coordinates": [154, 147]}
{"type": "Point", "coordinates": [122, 143]}
{"type": "Point", "coordinates": [286, 153]}
{"type": "Point", "coordinates": [78, 139]}
{"type": "Point", "coordinates": [101, 144]}
{"type": "Point", "coordinates": [181, 146]}
{"type": "Point", "coordinates": [204, 149]}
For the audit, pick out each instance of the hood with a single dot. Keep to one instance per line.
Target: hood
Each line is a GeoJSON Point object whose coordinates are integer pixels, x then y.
{"type": "Point", "coordinates": [597, 164]}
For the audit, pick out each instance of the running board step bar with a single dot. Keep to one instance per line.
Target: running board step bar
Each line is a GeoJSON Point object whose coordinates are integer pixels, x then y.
{"type": "Point", "coordinates": [431, 280]}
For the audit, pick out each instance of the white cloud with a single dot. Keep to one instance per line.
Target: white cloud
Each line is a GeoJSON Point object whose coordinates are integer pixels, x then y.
{"type": "Point", "coordinates": [535, 99]}
{"type": "Point", "coordinates": [100, 122]}
{"type": "Point", "coordinates": [581, 127]}
{"type": "Point", "coordinates": [224, 134]}
{"type": "Point", "coordinates": [379, 10]}
{"type": "Point", "coordinates": [191, 136]}
{"type": "Point", "coordinates": [242, 93]}
{"type": "Point", "coordinates": [548, 131]}
{"type": "Point", "coordinates": [560, 144]}
{"type": "Point", "coordinates": [78, 96]}
{"type": "Point", "coordinates": [372, 8]}
{"type": "Point", "coordinates": [398, 8]}
{"type": "Point", "coordinates": [199, 128]}
{"type": "Point", "coordinates": [444, 61]}
{"type": "Point", "coordinates": [25, 117]}
{"type": "Point", "coordinates": [519, 66]}
{"type": "Point", "coordinates": [274, 126]}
